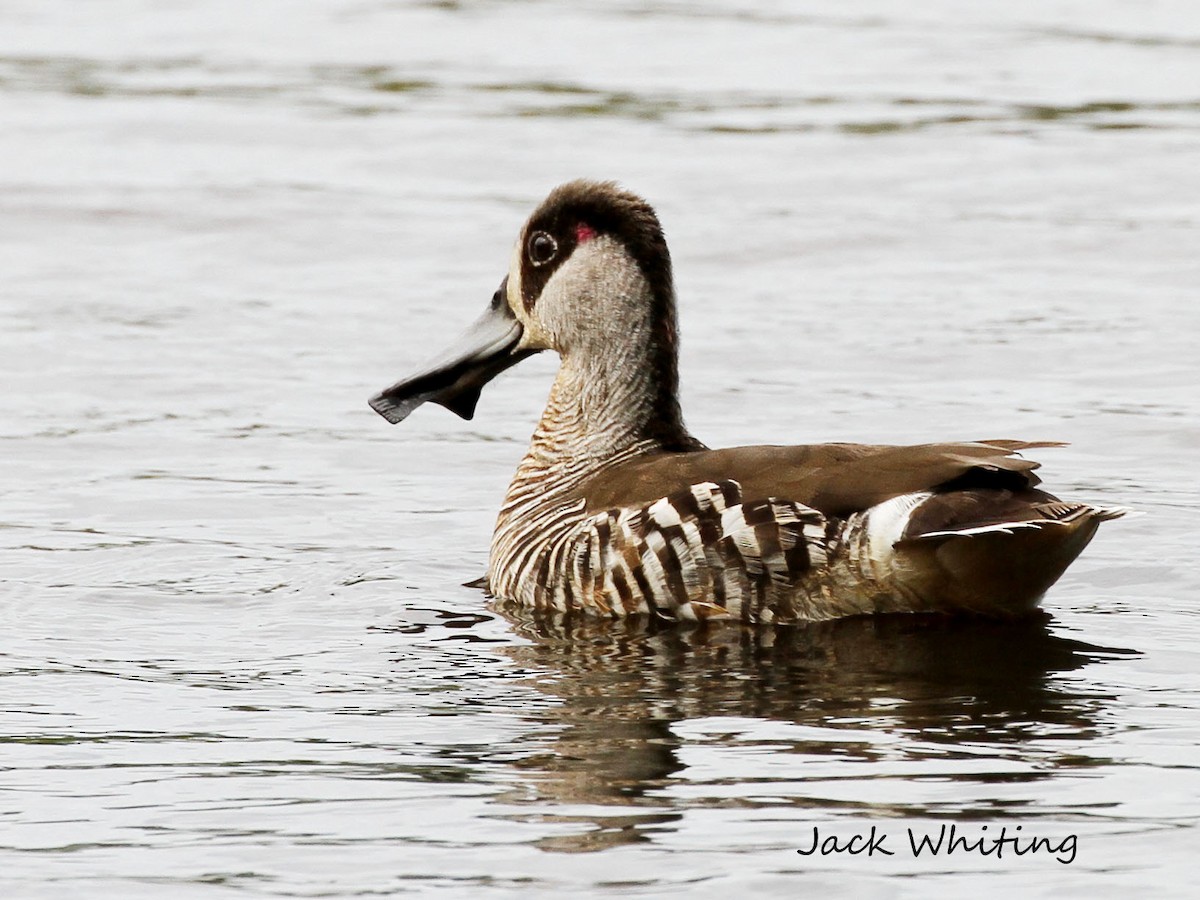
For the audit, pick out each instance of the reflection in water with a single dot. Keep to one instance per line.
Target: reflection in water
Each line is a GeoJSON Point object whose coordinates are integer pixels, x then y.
{"type": "Point", "coordinates": [625, 687]}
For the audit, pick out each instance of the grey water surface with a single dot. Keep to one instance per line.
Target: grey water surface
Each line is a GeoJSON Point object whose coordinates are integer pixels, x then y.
{"type": "Point", "coordinates": [237, 655]}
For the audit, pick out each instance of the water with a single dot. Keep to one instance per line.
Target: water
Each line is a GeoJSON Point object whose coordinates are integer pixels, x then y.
{"type": "Point", "coordinates": [238, 657]}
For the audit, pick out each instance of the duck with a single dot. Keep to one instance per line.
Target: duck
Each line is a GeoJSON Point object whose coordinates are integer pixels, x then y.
{"type": "Point", "coordinates": [617, 510]}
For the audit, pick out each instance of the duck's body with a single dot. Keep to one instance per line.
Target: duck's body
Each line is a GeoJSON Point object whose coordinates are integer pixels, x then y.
{"type": "Point", "coordinates": [775, 534]}
{"type": "Point", "coordinates": [616, 509]}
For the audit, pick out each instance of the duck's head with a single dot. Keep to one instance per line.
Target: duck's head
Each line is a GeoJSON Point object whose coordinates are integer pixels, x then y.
{"type": "Point", "coordinates": [590, 272]}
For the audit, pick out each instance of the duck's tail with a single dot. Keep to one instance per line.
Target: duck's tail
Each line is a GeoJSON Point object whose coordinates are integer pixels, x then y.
{"type": "Point", "coordinates": [994, 552]}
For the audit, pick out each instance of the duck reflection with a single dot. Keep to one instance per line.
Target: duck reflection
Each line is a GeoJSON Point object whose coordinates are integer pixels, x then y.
{"type": "Point", "coordinates": [625, 687]}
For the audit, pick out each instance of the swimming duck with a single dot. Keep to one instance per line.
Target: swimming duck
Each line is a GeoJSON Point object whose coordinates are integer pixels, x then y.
{"type": "Point", "coordinates": [617, 509]}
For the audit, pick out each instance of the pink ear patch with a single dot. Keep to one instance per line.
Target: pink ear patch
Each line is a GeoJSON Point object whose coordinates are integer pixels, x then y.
{"type": "Point", "coordinates": [584, 232]}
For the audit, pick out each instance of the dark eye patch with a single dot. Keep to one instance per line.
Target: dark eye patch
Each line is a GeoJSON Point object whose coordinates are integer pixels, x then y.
{"type": "Point", "coordinates": [552, 235]}
{"type": "Point", "coordinates": [550, 243]}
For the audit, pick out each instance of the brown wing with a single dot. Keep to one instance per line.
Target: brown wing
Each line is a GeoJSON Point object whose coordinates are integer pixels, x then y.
{"type": "Point", "coordinates": [836, 479]}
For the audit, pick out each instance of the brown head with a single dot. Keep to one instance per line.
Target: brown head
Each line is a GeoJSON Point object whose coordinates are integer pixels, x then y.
{"type": "Point", "coordinates": [587, 255]}
{"type": "Point", "coordinates": [590, 278]}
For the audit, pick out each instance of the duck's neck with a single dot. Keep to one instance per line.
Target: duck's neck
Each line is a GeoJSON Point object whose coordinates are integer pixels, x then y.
{"type": "Point", "coordinates": [608, 404]}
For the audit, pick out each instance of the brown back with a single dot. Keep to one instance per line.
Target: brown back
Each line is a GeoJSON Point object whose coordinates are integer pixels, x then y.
{"type": "Point", "coordinates": [836, 479]}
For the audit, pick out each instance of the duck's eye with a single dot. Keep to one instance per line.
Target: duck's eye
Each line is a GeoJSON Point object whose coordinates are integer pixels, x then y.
{"type": "Point", "coordinates": [542, 248]}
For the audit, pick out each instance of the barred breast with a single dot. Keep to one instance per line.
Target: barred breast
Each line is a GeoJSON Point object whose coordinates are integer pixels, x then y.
{"type": "Point", "coordinates": [697, 554]}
